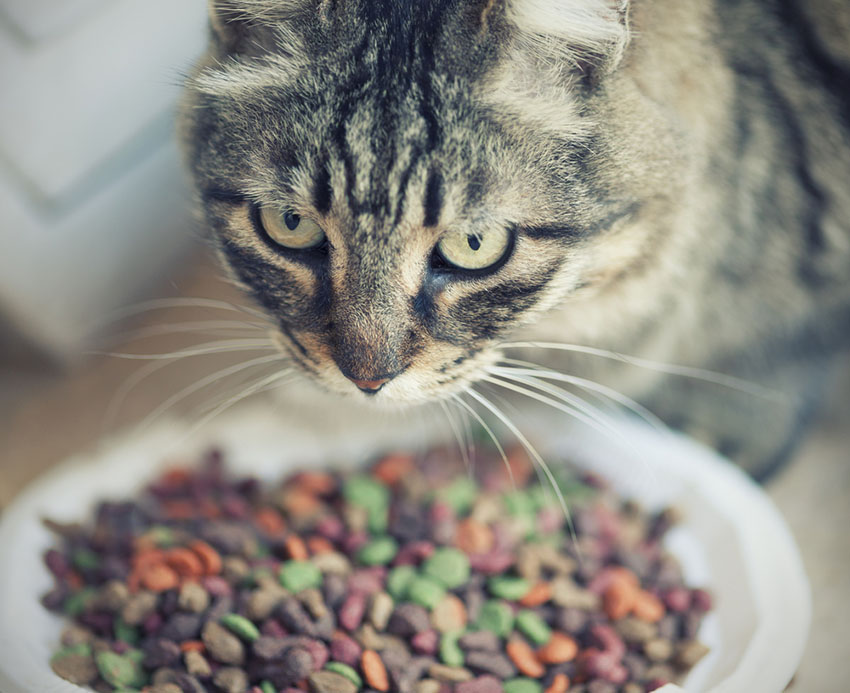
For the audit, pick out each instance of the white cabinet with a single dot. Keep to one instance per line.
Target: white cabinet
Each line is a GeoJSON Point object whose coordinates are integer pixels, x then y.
{"type": "Point", "coordinates": [93, 206]}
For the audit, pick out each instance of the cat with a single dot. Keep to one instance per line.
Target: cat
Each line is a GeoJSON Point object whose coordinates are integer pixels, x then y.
{"type": "Point", "coordinates": [420, 194]}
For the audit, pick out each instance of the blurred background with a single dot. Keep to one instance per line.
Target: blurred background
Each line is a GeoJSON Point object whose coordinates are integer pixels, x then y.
{"type": "Point", "coordinates": [95, 217]}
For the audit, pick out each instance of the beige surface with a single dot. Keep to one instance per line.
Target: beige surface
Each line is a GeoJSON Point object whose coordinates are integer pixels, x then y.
{"type": "Point", "coordinates": [44, 418]}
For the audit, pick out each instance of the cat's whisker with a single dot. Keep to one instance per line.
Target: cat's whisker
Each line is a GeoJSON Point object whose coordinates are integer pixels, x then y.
{"type": "Point", "coordinates": [537, 371]}
{"type": "Point", "coordinates": [453, 424]}
{"type": "Point", "coordinates": [198, 385]}
{"type": "Point", "coordinates": [595, 421]}
{"type": "Point", "coordinates": [459, 399]}
{"type": "Point", "coordinates": [181, 302]}
{"type": "Point", "coordinates": [219, 347]}
{"type": "Point", "coordinates": [531, 450]}
{"type": "Point", "coordinates": [197, 327]}
{"type": "Point", "coordinates": [257, 387]}
{"type": "Point", "coordinates": [702, 374]}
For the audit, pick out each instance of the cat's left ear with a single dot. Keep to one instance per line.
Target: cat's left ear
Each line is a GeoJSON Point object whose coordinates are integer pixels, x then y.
{"type": "Point", "coordinates": [591, 34]}
{"type": "Point", "coordinates": [237, 23]}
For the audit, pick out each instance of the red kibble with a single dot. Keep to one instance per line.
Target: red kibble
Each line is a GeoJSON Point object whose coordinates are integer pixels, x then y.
{"type": "Point", "coordinates": [269, 521]}
{"type": "Point", "coordinates": [608, 640]}
{"type": "Point", "coordinates": [701, 600]}
{"type": "Point", "coordinates": [484, 684]}
{"type": "Point", "coordinates": [352, 610]}
{"type": "Point", "coordinates": [596, 663]}
{"type": "Point", "coordinates": [318, 545]}
{"type": "Point", "coordinates": [426, 642]}
{"type": "Point", "coordinates": [655, 684]}
{"type": "Point", "coordinates": [493, 563]}
{"type": "Point", "coordinates": [330, 527]}
{"type": "Point", "coordinates": [57, 563]}
{"type": "Point", "coordinates": [678, 599]}
{"type": "Point", "coordinates": [345, 649]}
{"type": "Point", "coordinates": [217, 586]}
{"type": "Point", "coordinates": [366, 580]}
{"type": "Point", "coordinates": [414, 553]}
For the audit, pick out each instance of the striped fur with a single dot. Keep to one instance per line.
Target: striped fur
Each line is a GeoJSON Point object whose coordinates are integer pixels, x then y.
{"type": "Point", "coordinates": [673, 174]}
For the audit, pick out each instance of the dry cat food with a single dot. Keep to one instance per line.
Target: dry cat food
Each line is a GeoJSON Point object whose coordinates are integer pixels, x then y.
{"type": "Point", "coordinates": [412, 576]}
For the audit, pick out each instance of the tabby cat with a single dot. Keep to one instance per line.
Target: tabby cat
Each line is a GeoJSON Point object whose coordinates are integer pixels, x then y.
{"type": "Point", "coordinates": [407, 187]}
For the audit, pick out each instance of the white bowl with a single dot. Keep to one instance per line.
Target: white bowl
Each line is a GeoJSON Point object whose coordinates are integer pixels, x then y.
{"type": "Point", "coordinates": [732, 540]}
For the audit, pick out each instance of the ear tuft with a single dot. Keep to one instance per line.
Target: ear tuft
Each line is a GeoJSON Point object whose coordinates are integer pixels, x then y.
{"type": "Point", "coordinates": [231, 20]}
{"type": "Point", "coordinates": [590, 34]}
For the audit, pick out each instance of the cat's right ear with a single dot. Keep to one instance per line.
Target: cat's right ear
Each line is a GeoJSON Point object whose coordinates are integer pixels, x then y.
{"type": "Point", "coordinates": [228, 24]}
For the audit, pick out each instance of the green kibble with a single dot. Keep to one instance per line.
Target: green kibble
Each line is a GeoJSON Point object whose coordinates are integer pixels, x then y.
{"type": "Point", "coordinates": [299, 575]}
{"type": "Point", "coordinates": [450, 652]}
{"type": "Point", "coordinates": [398, 581]}
{"type": "Point", "coordinates": [240, 626]}
{"type": "Point", "coordinates": [497, 617]}
{"type": "Point", "coordinates": [378, 519]}
{"type": "Point", "coordinates": [120, 671]}
{"type": "Point", "coordinates": [425, 591]}
{"type": "Point", "coordinates": [379, 551]}
{"type": "Point", "coordinates": [366, 492]}
{"type": "Point", "coordinates": [448, 566]}
{"type": "Point", "coordinates": [460, 494]}
{"type": "Point", "coordinates": [162, 536]}
{"type": "Point", "coordinates": [346, 671]}
{"type": "Point", "coordinates": [533, 627]}
{"type": "Point", "coordinates": [85, 559]}
{"type": "Point", "coordinates": [268, 687]}
{"type": "Point", "coordinates": [124, 632]}
{"type": "Point", "coordinates": [519, 503]}
{"type": "Point", "coordinates": [78, 602]}
{"type": "Point", "coordinates": [82, 650]}
{"type": "Point", "coordinates": [521, 685]}
{"type": "Point", "coordinates": [506, 587]}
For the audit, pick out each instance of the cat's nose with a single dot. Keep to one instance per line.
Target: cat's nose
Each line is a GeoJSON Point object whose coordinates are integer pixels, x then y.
{"type": "Point", "coordinates": [369, 386]}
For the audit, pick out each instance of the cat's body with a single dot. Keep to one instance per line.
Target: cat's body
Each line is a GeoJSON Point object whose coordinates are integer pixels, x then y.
{"type": "Point", "coordinates": [668, 179]}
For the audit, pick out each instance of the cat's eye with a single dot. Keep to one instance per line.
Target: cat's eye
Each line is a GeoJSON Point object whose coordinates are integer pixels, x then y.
{"type": "Point", "coordinates": [474, 251]}
{"type": "Point", "coordinates": [291, 230]}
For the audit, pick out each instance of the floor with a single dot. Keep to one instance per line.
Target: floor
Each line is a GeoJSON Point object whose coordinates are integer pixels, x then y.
{"type": "Point", "coordinates": [42, 421]}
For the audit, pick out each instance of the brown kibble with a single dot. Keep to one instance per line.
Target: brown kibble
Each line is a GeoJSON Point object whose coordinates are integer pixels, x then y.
{"type": "Point", "coordinates": [539, 594]}
{"type": "Point", "coordinates": [76, 668]}
{"type": "Point", "coordinates": [159, 577]}
{"type": "Point", "coordinates": [449, 614]}
{"type": "Point", "coordinates": [647, 607]}
{"type": "Point", "coordinates": [374, 670]}
{"type": "Point", "coordinates": [210, 558]}
{"type": "Point", "coordinates": [449, 674]}
{"type": "Point", "coordinates": [560, 648]}
{"type": "Point", "coordinates": [330, 682]}
{"type": "Point", "coordinates": [524, 659]}
{"type": "Point", "coordinates": [560, 684]}
{"type": "Point", "coordinates": [222, 645]}
{"type": "Point", "coordinates": [472, 536]}
{"type": "Point", "coordinates": [658, 649]}
{"type": "Point", "coordinates": [138, 608]}
{"type": "Point", "coordinates": [619, 599]}
{"type": "Point", "coordinates": [196, 664]}
{"type": "Point", "coordinates": [231, 680]}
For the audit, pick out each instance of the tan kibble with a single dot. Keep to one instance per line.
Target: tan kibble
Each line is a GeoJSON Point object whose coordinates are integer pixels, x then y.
{"type": "Point", "coordinates": [193, 598]}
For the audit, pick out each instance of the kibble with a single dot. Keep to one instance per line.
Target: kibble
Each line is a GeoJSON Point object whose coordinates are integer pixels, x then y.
{"type": "Point", "coordinates": [399, 578]}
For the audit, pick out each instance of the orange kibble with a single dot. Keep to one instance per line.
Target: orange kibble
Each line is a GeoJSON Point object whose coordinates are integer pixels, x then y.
{"type": "Point", "coordinates": [318, 545]}
{"type": "Point", "coordinates": [524, 659]}
{"type": "Point", "coordinates": [393, 468]}
{"type": "Point", "coordinates": [210, 509]}
{"type": "Point", "coordinates": [622, 574]}
{"type": "Point", "coordinates": [560, 648]}
{"type": "Point", "coordinates": [177, 476]}
{"type": "Point", "coordinates": [473, 537]}
{"type": "Point", "coordinates": [296, 548]}
{"type": "Point", "coordinates": [560, 684]}
{"type": "Point", "coordinates": [179, 509]}
{"type": "Point", "coordinates": [269, 521]}
{"type": "Point", "coordinates": [537, 595]}
{"type": "Point", "coordinates": [210, 558]}
{"type": "Point", "coordinates": [374, 670]}
{"type": "Point", "coordinates": [75, 580]}
{"type": "Point", "coordinates": [304, 685]}
{"type": "Point", "coordinates": [299, 503]}
{"type": "Point", "coordinates": [185, 562]}
{"type": "Point", "coordinates": [146, 557]}
{"type": "Point", "coordinates": [318, 483]}
{"type": "Point", "coordinates": [134, 581]}
{"type": "Point", "coordinates": [192, 646]}
{"type": "Point", "coordinates": [648, 607]}
{"type": "Point", "coordinates": [619, 599]}
{"type": "Point", "coordinates": [159, 577]}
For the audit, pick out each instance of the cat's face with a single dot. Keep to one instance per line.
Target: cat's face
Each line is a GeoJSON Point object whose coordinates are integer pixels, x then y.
{"type": "Point", "coordinates": [399, 189]}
